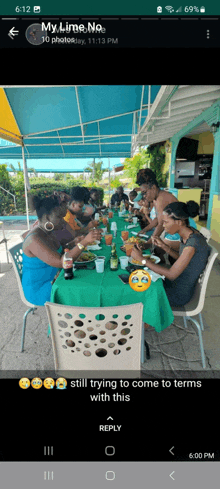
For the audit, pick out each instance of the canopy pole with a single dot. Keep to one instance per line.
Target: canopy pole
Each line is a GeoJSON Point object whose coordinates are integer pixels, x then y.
{"type": "Point", "coordinates": [25, 185]}
{"type": "Point", "coordinates": [109, 181]}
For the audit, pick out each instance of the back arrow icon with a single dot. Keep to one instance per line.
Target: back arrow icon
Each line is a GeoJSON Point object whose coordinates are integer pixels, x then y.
{"type": "Point", "coordinates": [171, 450]}
{"type": "Point", "coordinates": [172, 474]}
{"type": "Point", "coordinates": [13, 33]}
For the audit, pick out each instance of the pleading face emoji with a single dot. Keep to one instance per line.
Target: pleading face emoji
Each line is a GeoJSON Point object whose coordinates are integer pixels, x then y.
{"type": "Point", "coordinates": [36, 383]}
{"type": "Point", "coordinates": [139, 280]}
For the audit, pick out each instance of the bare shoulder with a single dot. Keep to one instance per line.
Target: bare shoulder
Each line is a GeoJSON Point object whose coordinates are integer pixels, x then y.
{"type": "Point", "coordinates": [32, 237]}
{"type": "Point", "coordinates": [38, 240]}
{"type": "Point", "coordinates": [167, 197]}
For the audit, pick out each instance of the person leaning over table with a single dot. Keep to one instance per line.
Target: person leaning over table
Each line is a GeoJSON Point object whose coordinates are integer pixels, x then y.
{"type": "Point", "coordinates": [93, 199]}
{"type": "Point", "coordinates": [87, 212]}
{"type": "Point", "coordinates": [149, 220]}
{"type": "Point", "coordinates": [74, 207]}
{"type": "Point", "coordinates": [132, 196]}
{"type": "Point", "coordinates": [42, 252]}
{"type": "Point", "coordinates": [191, 259]}
{"type": "Point", "coordinates": [160, 198]}
{"type": "Point", "coordinates": [62, 196]}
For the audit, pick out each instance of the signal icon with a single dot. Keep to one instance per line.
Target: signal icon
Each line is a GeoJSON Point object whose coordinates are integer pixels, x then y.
{"type": "Point", "coordinates": [179, 9]}
{"type": "Point", "coordinates": [170, 9]}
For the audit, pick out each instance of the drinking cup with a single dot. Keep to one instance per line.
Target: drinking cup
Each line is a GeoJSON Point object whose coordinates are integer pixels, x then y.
{"type": "Point", "coordinates": [110, 214]}
{"type": "Point", "coordinates": [108, 239]}
{"type": "Point", "coordinates": [104, 231]}
{"type": "Point", "coordinates": [120, 214]}
{"type": "Point", "coordinates": [99, 263]}
{"type": "Point", "coordinates": [113, 226]}
{"type": "Point", "coordinates": [124, 235]}
{"type": "Point", "coordinates": [105, 220]}
{"type": "Point", "coordinates": [96, 216]}
{"type": "Point", "coordinates": [128, 248]}
{"type": "Point", "coordinates": [123, 262]}
{"type": "Point", "coordinates": [135, 220]}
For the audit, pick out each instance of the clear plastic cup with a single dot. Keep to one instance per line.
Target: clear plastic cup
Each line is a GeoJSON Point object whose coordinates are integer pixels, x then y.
{"type": "Point", "coordinates": [135, 220]}
{"type": "Point", "coordinates": [123, 262]}
{"type": "Point", "coordinates": [113, 226]}
{"type": "Point", "coordinates": [99, 263]}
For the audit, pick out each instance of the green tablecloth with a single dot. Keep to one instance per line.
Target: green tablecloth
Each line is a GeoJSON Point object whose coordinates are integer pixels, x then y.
{"type": "Point", "coordinates": [92, 289]}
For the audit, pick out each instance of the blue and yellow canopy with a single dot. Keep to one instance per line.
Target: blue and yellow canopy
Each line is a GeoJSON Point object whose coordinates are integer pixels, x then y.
{"type": "Point", "coordinates": [83, 121]}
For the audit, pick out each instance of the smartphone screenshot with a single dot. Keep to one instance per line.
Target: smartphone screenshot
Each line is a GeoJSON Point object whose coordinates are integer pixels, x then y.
{"type": "Point", "coordinates": [109, 244]}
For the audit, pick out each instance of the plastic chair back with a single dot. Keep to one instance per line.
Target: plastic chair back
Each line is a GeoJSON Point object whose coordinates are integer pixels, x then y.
{"type": "Point", "coordinates": [195, 305]}
{"type": "Point", "coordinates": [206, 233]}
{"type": "Point", "coordinates": [16, 255]}
{"type": "Point", "coordinates": [204, 277]}
{"type": "Point", "coordinates": [87, 340]}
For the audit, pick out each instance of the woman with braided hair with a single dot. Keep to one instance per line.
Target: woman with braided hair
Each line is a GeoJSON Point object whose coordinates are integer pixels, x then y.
{"type": "Point", "coordinates": [190, 260]}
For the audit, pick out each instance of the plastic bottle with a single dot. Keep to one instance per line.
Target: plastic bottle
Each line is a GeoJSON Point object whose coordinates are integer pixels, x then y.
{"type": "Point", "coordinates": [67, 265]}
{"type": "Point", "coordinates": [114, 258]}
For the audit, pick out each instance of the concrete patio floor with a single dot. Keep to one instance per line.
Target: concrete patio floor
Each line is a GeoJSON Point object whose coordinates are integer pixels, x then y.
{"type": "Point", "coordinates": [38, 355]}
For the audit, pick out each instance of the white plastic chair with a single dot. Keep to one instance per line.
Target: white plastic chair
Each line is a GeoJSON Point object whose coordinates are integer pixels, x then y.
{"type": "Point", "coordinates": [206, 233]}
{"type": "Point", "coordinates": [96, 340]}
{"type": "Point", "coordinates": [16, 258]}
{"type": "Point", "coordinates": [195, 305]}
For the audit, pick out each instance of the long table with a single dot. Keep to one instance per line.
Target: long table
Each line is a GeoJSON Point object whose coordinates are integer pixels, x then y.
{"type": "Point", "coordinates": [92, 289]}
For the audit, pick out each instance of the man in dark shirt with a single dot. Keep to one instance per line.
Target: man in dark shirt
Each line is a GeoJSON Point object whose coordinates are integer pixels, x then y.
{"type": "Point", "coordinates": [119, 196]}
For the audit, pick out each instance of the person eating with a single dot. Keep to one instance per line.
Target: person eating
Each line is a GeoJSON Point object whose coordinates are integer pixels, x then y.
{"type": "Point", "coordinates": [118, 197]}
{"type": "Point", "coordinates": [43, 253]}
{"type": "Point", "coordinates": [74, 209]}
{"type": "Point", "coordinates": [149, 217]}
{"type": "Point", "coordinates": [93, 199]}
{"type": "Point", "coordinates": [190, 260]}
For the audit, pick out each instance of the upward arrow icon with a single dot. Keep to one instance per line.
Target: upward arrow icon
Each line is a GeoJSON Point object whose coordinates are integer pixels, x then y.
{"type": "Point", "coordinates": [109, 418]}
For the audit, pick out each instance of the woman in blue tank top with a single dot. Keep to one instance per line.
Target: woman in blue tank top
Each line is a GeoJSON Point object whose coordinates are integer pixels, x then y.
{"type": "Point", "coordinates": [42, 252]}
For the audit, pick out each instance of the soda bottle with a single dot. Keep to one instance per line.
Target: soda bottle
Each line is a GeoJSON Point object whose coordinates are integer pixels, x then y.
{"type": "Point", "coordinates": [67, 265]}
{"type": "Point", "coordinates": [114, 258]}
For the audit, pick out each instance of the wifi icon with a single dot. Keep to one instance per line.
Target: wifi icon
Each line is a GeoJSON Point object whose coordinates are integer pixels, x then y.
{"type": "Point", "coordinates": [170, 9]}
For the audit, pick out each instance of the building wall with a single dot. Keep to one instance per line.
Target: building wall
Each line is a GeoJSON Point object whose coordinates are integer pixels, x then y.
{"type": "Point", "coordinates": [215, 221]}
{"type": "Point", "coordinates": [206, 143]}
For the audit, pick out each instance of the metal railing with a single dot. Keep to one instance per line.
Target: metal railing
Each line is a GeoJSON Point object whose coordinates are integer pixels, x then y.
{"type": "Point", "coordinates": [12, 196]}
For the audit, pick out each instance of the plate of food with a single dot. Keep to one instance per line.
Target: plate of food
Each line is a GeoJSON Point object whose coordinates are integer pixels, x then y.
{"type": "Point", "coordinates": [135, 240]}
{"type": "Point", "coordinates": [86, 257]}
{"type": "Point", "coordinates": [128, 219]}
{"type": "Point", "coordinates": [152, 258]}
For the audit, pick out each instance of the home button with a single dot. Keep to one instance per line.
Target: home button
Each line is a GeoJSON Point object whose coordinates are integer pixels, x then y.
{"type": "Point", "coordinates": [110, 475]}
{"type": "Point", "coordinates": [109, 450]}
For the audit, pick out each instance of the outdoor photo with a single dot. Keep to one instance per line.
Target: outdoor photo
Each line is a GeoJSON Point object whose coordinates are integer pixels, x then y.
{"type": "Point", "coordinates": [110, 231]}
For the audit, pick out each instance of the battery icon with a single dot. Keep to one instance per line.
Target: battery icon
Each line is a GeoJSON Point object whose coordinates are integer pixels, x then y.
{"type": "Point", "coordinates": [202, 9]}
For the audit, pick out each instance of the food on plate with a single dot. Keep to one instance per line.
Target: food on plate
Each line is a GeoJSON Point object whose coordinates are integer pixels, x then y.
{"type": "Point", "coordinates": [85, 256]}
{"type": "Point", "coordinates": [151, 258]}
{"type": "Point", "coordinates": [135, 240]}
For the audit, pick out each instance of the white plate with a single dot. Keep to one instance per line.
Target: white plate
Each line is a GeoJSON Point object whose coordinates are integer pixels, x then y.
{"type": "Point", "coordinates": [157, 260]}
